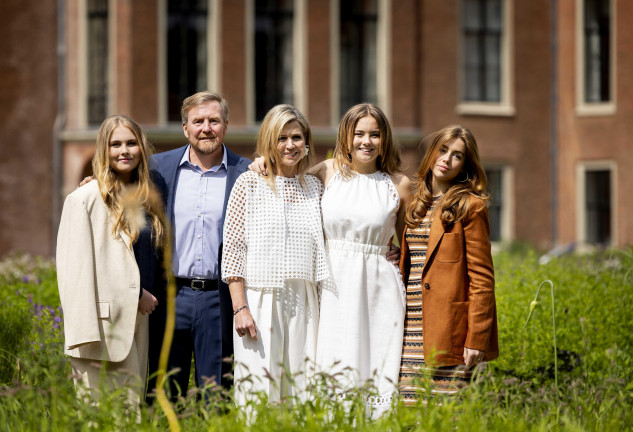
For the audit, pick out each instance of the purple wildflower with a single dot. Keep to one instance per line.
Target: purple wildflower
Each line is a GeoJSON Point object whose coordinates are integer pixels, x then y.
{"type": "Point", "coordinates": [25, 279]}
{"type": "Point", "coordinates": [37, 308]}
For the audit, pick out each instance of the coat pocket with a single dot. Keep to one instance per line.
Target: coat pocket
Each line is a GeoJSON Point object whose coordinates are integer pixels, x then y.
{"type": "Point", "coordinates": [459, 326]}
{"type": "Point", "coordinates": [103, 309]}
{"type": "Point", "coordinates": [450, 248]}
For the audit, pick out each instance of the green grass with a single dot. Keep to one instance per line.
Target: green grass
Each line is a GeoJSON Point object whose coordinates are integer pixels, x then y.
{"type": "Point", "coordinates": [516, 392]}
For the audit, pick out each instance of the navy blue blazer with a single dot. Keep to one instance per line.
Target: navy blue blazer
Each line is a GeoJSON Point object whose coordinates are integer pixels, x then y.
{"type": "Point", "coordinates": [164, 170]}
{"type": "Point", "coordinates": [149, 258]}
{"type": "Point", "coordinates": [149, 261]}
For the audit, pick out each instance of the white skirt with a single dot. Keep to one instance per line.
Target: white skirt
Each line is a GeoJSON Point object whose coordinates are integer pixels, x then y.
{"type": "Point", "coordinates": [287, 322]}
{"type": "Point", "coordinates": [362, 322]}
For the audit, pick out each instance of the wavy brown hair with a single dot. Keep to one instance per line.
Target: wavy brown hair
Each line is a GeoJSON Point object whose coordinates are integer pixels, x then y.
{"type": "Point", "coordinates": [471, 181]}
{"type": "Point", "coordinates": [389, 159]}
{"type": "Point", "coordinates": [112, 186]}
{"type": "Point", "coordinates": [272, 125]}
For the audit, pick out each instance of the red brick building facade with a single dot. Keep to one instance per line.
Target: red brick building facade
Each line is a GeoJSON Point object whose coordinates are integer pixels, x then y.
{"type": "Point", "coordinates": [545, 85]}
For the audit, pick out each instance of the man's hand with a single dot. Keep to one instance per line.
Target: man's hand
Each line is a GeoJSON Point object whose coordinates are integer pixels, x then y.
{"type": "Point", "coordinates": [147, 303]}
{"type": "Point", "coordinates": [259, 166]}
{"type": "Point", "coordinates": [86, 181]}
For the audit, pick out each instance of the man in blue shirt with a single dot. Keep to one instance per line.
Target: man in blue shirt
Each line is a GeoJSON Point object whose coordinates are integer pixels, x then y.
{"type": "Point", "coordinates": [197, 180]}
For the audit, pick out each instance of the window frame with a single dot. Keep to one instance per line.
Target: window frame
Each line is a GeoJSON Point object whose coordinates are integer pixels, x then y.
{"type": "Point", "coordinates": [505, 106]}
{"type": "Point", "coordinates": [582, 168]}
{"type": "Point", "coordinates": [299, 54]}
{"type": "Point", "coordinates": [584, 108]}
{"type": "Point", "coordinates": [383, 59]}
{"type": "Point", "coordinates": [506, 219]}
{"type": "Point", "coordinates": [214, 55]}
{"type": "Point", "coordinates": [84, 58]}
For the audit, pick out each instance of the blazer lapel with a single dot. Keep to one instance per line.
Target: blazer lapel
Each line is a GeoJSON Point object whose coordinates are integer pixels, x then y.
{"type": "Point", "coordinates": [437, 232]}
{"type": "Point", "coordinates": [171, 177]}
{"type": "Point", "coordinates": [127, 241]}
{"type": "Point", "coordinates": [232, 173]}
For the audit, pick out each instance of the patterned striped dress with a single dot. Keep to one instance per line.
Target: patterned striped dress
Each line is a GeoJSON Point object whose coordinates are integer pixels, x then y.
{"type": "Point", "coordinates": [413, 369]}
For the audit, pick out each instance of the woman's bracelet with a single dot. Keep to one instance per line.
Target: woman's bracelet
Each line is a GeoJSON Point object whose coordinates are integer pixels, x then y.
{"type": "Point", "coordinates": [236, 311]}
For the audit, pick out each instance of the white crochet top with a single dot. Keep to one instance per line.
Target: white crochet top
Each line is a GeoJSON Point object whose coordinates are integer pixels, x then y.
{"type": "Point", "coordinates": [268, 237]}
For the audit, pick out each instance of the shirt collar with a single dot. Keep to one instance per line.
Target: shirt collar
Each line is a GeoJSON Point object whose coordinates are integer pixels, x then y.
{"type": "Point", "coordinates": [187, 162]}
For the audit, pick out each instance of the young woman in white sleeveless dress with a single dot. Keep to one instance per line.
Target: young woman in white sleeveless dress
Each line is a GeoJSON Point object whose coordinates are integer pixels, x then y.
{"type": "Point", "coordinates": [362, 310]}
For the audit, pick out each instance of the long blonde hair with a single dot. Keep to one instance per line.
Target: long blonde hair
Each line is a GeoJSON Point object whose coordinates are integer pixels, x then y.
{"type": "Point", "coordinates": [471, 181]}
{"type": "Point", "coordinates": [111, 186]}
{"type": "Point", "coordinates": [272, 125]}
{"type": "Point", "coordinates": [389, 159]}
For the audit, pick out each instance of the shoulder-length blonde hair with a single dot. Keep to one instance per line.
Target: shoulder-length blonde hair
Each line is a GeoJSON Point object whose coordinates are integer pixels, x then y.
{"type": "Point", "coordinates": [111, 186]}
{"type": "Point", "coordinates": [389, 159]}
{"type": "Point", "coordinates": [471, 181]}
{"type": "Point", "coordinates": [274, 122]}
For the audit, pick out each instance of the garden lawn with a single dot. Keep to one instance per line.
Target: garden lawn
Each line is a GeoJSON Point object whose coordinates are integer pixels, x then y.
{"type": "Point", "coordinates": [592, 306]}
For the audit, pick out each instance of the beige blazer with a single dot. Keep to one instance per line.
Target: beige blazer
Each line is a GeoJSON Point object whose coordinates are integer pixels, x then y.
{"type": "Point", "coordinates": [98, 279]}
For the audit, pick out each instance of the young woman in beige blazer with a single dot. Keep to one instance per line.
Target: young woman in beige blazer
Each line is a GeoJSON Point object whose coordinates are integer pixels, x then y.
{"type": "Point", "coordinates": [105, 307]}
{"type": "Point", "coordinates": [446, 263]}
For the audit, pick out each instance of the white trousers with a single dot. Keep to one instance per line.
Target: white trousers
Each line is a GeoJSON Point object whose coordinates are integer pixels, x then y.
{"type": "Point", "coordinates": [280, 362]}
{"type": "Point", "coordinates": [90, 376]}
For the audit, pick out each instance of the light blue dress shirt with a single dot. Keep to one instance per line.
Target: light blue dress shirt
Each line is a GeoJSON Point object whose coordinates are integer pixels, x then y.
{"type": "Point", "coordinates": [198, 220]}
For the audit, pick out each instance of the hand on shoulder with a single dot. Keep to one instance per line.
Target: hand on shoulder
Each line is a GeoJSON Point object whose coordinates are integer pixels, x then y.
{"type": "Point", "coordinates": [259, 166]}
{"type": "Point", "coordinates": [86, 180]}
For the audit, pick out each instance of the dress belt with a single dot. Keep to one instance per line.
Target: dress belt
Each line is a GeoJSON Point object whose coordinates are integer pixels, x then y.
{"type": "Point", "coordinates": [346, 245]}
{"type": "Point", "coordinates": [198, 284]}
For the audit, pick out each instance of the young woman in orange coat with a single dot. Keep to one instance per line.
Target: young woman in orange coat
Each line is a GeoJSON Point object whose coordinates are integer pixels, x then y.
{"type": "Point", "coordinates": [446, 263]}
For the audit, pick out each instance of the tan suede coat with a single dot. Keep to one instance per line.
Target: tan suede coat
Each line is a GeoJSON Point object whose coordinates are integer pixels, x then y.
{"type": "Point", "coordinates": [458, 298]}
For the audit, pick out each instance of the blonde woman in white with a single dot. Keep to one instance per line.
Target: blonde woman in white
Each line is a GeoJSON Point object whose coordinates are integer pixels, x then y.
{"type": "Point", "coordinates": [273, 258]}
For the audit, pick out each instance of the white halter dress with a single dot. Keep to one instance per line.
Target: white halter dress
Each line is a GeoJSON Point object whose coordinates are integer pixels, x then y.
{"type": "Point", "coordinates": [362, 309]}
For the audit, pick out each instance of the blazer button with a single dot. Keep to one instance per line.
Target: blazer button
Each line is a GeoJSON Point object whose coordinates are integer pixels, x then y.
{"type": "Point", "coordinates": [427, 286]}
